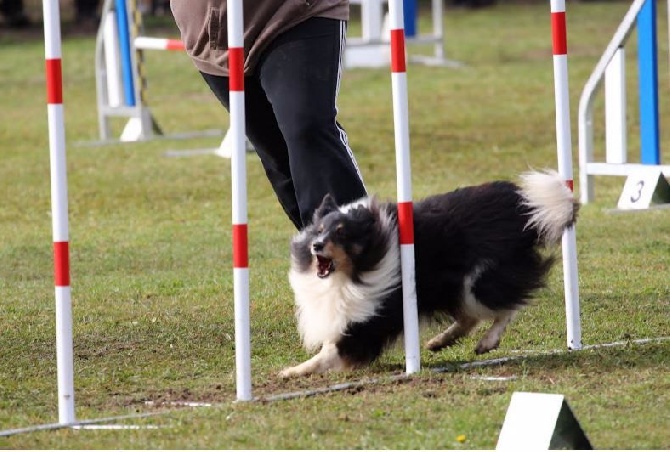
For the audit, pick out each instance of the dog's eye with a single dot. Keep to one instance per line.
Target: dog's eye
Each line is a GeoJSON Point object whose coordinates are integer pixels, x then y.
{"type": "Point", "coordinates": [339, 230]}
{"type": "Point", "coordinates": [319, 230]}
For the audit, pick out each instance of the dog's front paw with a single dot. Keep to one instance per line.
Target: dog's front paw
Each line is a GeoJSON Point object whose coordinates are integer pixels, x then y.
{"type": "Point", "coordinates": [486, 345]}
{"type": "Point", "coordinates": [440, 341]}
{"type": "Point", "coordinates": [434, 345]}
{"type": "Point", "coordinates": [290, 372]}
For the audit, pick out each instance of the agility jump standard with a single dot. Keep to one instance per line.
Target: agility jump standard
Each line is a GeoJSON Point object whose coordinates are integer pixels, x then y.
{"type": "Point", "coordinates": [641, 16]}
{"type": "Point", "coordinates": [121, 85]}
{"type": "Point", "coordinates": [564, 150]}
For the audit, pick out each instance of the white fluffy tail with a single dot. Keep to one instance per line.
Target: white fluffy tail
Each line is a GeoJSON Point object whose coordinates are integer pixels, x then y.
{"type": "Point", "coordinates": [552, 204]}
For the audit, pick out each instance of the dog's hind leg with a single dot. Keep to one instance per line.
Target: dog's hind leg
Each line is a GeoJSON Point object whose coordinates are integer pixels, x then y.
{"type": "Point", "coordinates": [491, 339]}
{"type": "Point", "coordinates": [460, 328]}
{"type": "Point", "coordinates": [327, 359]}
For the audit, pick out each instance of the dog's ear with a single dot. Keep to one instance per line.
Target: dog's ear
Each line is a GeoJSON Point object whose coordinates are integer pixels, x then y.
{"type": "Point", "coordinates": [327, 205]}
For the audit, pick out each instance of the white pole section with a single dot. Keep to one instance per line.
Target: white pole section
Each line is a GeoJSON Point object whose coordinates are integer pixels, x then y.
{"type": "Point", "coordinates": [564, 150]}
{"type": "Point", "coordinates": [239, 201]}
{"type": "Point", "coordinates": [615, 108]}
{"type": "Point", "coordinates": [404, 175]}
{"type": "Point", "coordinates": [112, 59]}
{"type": "Point", "coordinates": [59, 211]}
{"type": "Point", "coordinates": [371, 20]}
{"type": "Point", "coordinates": [146, 43]}
{"type": "Point", "coordinates": [438, 27]}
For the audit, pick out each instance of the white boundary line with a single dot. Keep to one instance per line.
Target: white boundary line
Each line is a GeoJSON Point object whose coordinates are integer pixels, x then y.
{"type": "Point", "coordinates": [82, 424]}
{"type": "Point", "coordinates": [532, 354]}
{"type": "Point", "coordinates": [176, 405]}
{"type": "Point", "coordinates": [115, 427]}
{"type": "Point", "coordinates": [180, 403]}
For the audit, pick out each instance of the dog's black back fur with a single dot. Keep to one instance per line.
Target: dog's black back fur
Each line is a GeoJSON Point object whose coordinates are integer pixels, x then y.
{"type": "Point", "coordinates": [479, 230]}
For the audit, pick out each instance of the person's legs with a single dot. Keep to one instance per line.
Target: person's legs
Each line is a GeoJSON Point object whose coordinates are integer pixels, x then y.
{"type": "Point", "coordinates": [265, 136]}
{"type": "Point", "coordinates": [300, 73]}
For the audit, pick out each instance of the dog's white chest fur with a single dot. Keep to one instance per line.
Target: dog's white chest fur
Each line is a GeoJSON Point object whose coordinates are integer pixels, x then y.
{"type": "Point", "coordinates": [326, 306]}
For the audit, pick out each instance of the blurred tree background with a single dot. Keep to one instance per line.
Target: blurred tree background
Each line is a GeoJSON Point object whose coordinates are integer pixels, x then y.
{"type": "Point", "coordinates": [33, 8]}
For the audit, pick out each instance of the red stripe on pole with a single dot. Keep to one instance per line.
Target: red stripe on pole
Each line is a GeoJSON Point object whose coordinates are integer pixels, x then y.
{"type": "Point", "coordinates": [174, 44]}
{"type": "Point", "coordinates": [570, 184]}
{"type": "Point", "coordinates": [559, 34]}
{"type": "Point", "coordinates": [54, 75]}
{"type": "Point", "coordinates": [62, 264]}
{"type": "Point", "coordinates": [398, 50]}
{"type": "Point", "coordinates": [236, 68]}
{"type": "Point", "coordinates": [406, 222]}
{"type": "Point", "coordinates": [240, 246]}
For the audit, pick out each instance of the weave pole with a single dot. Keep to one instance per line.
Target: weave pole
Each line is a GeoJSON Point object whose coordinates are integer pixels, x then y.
{"type": "Point", "coordinates": [564, 150]}
{"type": "Point", "coordinates": [59, 211]}
{"type": "Point", "coordinates": [239, 201]}
{"type": "Point", "coordinates": [404, 184]}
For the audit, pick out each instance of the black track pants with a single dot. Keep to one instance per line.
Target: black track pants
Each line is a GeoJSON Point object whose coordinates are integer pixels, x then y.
{"type": "Point", "coordinates": [291, 118]}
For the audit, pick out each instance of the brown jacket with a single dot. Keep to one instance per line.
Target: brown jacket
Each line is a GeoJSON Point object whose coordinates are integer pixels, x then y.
{"type": "Point", "coordinates": [204, 30]}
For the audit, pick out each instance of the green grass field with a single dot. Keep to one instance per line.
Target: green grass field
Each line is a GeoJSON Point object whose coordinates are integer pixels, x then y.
{"type": "Point", "coordinates": [151, 262]}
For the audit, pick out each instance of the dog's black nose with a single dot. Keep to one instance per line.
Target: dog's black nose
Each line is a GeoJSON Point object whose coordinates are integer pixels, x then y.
{"type": "Point", "coordinates": [317, 246]}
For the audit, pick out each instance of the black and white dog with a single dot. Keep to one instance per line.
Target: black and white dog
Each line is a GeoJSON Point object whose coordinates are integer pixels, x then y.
{"type": "Point", "coordinates": [478, 256]}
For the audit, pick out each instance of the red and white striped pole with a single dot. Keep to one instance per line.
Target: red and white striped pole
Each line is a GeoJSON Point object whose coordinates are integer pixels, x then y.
{"type": "Point", "coordinates": [239, 201]}
{"type": "Point", "coordinates": [59, 211]}
{"type": "Point", "coordinates": [404, 186]}
{"type": "Point", "coordinates": [564, 149]}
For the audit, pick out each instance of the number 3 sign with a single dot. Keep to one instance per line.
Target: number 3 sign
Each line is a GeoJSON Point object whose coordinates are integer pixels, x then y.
{"type": "Point", "coordinates": [644, 187]}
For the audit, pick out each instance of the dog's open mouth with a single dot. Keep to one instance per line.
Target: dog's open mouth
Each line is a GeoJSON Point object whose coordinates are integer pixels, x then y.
{"type": "Point", "coordinates": [324, 266]}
